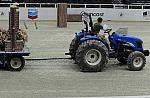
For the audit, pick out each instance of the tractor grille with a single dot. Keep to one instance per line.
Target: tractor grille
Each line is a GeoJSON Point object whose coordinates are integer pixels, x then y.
{"type": "Point", "coordinates": [139, 44]}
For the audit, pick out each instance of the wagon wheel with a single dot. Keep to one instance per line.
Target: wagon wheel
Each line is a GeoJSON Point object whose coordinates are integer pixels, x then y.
{"type": "Point", "coordinates": [15, 63]}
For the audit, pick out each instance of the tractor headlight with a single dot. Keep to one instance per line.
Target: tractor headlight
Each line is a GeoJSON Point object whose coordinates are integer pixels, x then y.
{"type": "Point", "coordinates": [131, 44]}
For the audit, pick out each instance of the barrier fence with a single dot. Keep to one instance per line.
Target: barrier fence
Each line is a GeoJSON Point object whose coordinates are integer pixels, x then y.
{"type": "Point", "coordinates": [54, 5]}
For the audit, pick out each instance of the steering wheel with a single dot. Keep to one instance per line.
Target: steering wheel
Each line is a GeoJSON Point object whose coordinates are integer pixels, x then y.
{"type": "Point", "coordinates": [107, 31]}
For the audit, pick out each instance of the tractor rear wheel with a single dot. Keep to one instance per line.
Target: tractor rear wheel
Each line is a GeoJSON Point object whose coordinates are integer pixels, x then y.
{"type": "Point", "coordinates": [92, 56]}
{"type": "Point", "coordinates": [73, 48]}
{"type": "Point", "coordinates": [136, 61]}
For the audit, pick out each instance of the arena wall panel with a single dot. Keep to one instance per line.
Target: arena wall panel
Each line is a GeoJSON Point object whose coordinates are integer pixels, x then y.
{"type": "Point", "coordinates": [105, 13]}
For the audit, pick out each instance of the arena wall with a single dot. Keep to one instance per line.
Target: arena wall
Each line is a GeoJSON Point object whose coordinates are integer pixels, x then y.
{"type": "Point", "coordinates": [106, 13]}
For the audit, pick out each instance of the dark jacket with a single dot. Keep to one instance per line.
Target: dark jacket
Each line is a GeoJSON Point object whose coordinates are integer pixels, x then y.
{"type": "Point", "coordinates": [97, 27]}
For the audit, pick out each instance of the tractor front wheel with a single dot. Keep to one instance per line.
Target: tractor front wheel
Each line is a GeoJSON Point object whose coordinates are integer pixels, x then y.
{"type": "Point", "coordinates": [136, 61]}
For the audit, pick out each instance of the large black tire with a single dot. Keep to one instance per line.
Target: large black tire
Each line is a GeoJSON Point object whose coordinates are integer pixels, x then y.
{"type": "Point", "coordinates": [73, 48]}
{"type": "Point", "coordinates": [15, 63]}
{"type": "Point", "coordinates": [92, 56]}
{"type": "Point", "coordinates": [136, 61]}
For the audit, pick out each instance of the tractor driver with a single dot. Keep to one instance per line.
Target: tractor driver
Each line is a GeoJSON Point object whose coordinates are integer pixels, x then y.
{"type": "Point", "coordinates": [97, 26]}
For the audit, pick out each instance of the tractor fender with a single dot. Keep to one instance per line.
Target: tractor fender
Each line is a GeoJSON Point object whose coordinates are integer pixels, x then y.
{"type": "Point", "coordinates": [95, 38]}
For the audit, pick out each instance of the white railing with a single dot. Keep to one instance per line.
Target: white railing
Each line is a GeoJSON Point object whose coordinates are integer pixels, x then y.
{"type": "Point", "coordinates": [54, 5]}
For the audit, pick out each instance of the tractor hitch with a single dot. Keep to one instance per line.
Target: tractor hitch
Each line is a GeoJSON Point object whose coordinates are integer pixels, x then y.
{"type": "Point", "coordinates": [68, 53]}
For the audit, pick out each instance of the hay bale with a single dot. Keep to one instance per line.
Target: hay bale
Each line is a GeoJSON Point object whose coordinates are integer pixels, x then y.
{"type": "Point", "coordinates": [22, 35]}
{"type": "Point", "coordinates": [5, 39]}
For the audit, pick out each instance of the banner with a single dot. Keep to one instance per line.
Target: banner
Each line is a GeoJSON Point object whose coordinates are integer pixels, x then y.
{"type": "Point", "coordinates": [32, 13]}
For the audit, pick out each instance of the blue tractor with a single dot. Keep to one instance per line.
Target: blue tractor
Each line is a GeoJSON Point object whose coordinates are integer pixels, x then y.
{"type": "Point", "coordinates": [91, 52]}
